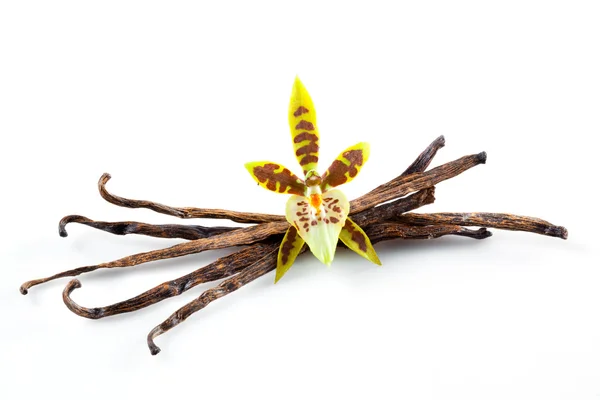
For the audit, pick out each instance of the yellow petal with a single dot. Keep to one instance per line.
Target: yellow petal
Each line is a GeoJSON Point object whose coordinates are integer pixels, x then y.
{"type": "Point", "coordinates": [358, 241]}
{"type": "Point", "coordinates": [303, 126]}
{"type": "Point", "coordinates": [288, 251]}
{"type": "Point", "coordinates": [346, 166]}
{"type": "Point", "coordinates": [275, 177]}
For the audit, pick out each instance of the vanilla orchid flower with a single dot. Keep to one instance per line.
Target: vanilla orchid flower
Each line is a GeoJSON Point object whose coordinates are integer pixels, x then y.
{"type": "Point", "coordinates": [317, 213]}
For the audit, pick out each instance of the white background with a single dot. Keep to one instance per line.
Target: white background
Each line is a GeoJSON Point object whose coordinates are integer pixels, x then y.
{"type": "Point", "coordinates": [172, 98]}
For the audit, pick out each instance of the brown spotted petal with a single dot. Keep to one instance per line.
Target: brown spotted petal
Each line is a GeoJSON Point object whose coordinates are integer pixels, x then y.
{"type": "Point", "coordinates": [275, 177]}
{"type": "Point", "coordinates": [319, 226]}
{"type": "Point", "coordinates": [303, 126]}
{"type": "Point", "coordinates": [346, 166]}
{"type": "Point", "coordinates": [288, 251]}
{"type": "Point", "coordinates": [358, 241]}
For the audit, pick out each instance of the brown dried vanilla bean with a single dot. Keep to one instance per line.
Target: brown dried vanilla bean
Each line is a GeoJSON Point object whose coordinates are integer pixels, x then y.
{"type": "Point", "coordinates": [390, 230]}
{"type": "Point", "coordinates": [422, 197]}
{"type": "Point", "coordinates": [414, 182]}
{"type": "Point", "coordinates": [238, 237]}
{"type": "Point", "coordinates": [419, 165]}
{"type": "Point", "coordinates": [222, 268]}
{"type": "Point", "coordinates": [184, 212]}
{"type": "Point", "coordinates": [490, 220]}
{"type": "Point", "coordinates": [192, 232]}
{"type": "Point", "coordinates": [424, 159]}
{"type": "Point", "coordinates": [189, 232]}
{"type": "Point", "coordinates": [397, 207]}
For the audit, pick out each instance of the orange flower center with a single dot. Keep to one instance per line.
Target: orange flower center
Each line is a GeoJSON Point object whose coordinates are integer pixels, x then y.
{"type": "Point", "coordinates": [315, 201]}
